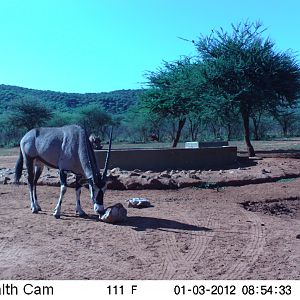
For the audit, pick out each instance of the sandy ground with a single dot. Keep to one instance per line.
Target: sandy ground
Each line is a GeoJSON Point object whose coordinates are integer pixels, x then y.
{"type": "Point", "coordinates": [245, 232]}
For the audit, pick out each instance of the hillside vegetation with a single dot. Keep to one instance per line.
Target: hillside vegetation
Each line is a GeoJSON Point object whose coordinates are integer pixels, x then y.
{"type": "Point", "coordinates": [115, 102]}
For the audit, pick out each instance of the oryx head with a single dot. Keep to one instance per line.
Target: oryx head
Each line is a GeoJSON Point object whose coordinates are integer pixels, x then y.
{"type": "Point", "coordinates": [98, 182]}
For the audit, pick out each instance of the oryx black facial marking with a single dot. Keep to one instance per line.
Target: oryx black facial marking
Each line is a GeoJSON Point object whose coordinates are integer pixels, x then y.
{"type": "Point", "coordinates": [67, 149]}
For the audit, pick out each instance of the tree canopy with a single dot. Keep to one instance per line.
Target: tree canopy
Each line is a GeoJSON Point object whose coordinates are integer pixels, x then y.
{"type": "Point", "coordinates": [174, 91]}
{"type": "Point", "coordinates": [94, 119]}
{"type": "Point", "coordinates": [244, 72]}
{"type": "Point", "coordinates": [29, 113]}
{"type": "Point", "coordinates": [237, 75]}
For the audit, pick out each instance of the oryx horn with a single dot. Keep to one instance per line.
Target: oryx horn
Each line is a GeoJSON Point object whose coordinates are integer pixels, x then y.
{"type": "Point", "coordinates": [107, 156]}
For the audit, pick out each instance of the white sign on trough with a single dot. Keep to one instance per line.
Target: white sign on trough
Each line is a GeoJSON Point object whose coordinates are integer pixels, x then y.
{"type": "Point", "coordinates": [191, 145]}
{"type": "Point", "coordinates": [205, 144]}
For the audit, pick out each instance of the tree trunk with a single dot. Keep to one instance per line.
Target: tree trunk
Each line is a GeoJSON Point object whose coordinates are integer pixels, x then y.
{"type": "Point", "coordinates": [193, 130]}
{"type": "Point", "coordinates": [255, 129]}
{"type": "Point", "coordinates": [229, 131]}
{"type": "Point", "coordinates": [285, 128]}
{"type": "Point", "coordinates": [178, 132]}
{"type": "Point", "coordinates": [250, 148]}
{"type": "Point", "coordinates": [256, 124]}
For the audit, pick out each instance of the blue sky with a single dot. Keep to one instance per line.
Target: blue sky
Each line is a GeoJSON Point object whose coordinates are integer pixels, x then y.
{"type": "Point", "coordinates": [103, 45]}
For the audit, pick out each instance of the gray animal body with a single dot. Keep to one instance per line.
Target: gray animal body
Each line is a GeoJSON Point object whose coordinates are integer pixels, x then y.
{"type": "Point", "coordinates": [67, 149]}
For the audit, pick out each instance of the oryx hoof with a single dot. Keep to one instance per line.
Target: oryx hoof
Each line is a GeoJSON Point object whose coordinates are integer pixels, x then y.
{"type": "Point", "coordinates": [99, 209]}
{"type": "Point", "coordinates": [56, 214]}
{"type": "Point", "coordinates": [34, 210]}
{"type": "Point", "coordinates": [39, 208]}
{"type": "Point", "coordinates": [81, 214]}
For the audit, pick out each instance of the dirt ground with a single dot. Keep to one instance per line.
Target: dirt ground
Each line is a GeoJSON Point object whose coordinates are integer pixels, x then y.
{"type": "Point", "coordinates": [235, 232]}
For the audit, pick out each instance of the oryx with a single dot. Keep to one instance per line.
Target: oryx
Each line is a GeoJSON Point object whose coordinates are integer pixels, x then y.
{"type": "Point", "coordinates": [67, 149]}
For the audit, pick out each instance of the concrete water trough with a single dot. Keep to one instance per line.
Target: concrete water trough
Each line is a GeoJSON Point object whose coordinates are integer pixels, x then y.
{"type": "Point", "coordinates": [169, 158]}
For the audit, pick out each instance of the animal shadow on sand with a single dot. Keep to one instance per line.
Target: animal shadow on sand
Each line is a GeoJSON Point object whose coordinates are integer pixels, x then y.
{"type": "Point", "coordinates": [139, 223]}
{"type": "Point", "coordinates": [143, 223]}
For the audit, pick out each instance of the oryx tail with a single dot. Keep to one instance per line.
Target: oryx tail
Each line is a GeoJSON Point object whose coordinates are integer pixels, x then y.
{"type": "Point", "coordinates": [19, 167]}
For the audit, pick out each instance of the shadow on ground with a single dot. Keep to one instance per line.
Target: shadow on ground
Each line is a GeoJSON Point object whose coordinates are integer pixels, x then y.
{"type": "Point", "coordinates": [144, 223]}
{"type": "Point", "coordinates": [139, 223]}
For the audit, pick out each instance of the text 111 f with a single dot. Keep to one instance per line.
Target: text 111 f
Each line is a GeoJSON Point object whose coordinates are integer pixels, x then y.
{"type": "Point", "coordinates": [119, 289]}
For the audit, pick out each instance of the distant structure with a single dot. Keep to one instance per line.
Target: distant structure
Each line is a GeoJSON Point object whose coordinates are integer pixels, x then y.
{"type": "Point", "coordinates": [95, 141]}
{"type": "Point", "coordinates": [154, 137]}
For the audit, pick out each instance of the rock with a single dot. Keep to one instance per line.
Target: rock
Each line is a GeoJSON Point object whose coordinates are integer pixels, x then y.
{"type": "Point", "coordinates": [138, 203]}
{"type": "Point", "coordinates": [115, 170]}
{"type": "Point", "coordinates": [170, 183]}
{"type": "Point", "coordinates": [172, 172]}
{"type": "Point", "coordinates": [194, 176]}
{"type": "Point", "coordinates": [192, 171]}
{"type": "Point", "coordinates": [114, 214]}
{"type": "Point", "coordinates": [116, 184]}
{"type": "Point", "coordinates": [160, 184]}
{"type": "Point", "coordinates": [5, 179]}
{"type": "Point", "coordinates": [176, 176]}
{"type": "Point", "coordinates": [183, 173]}
{"type": "Point", "coordinates": [134, 174]}
{"type": "Point", "coordinates": [165, 175]}
{"type": "Point", "coordinates": [164, 172]}
{"type": "Point", "coordinates": [134, 185]}
{"type": "Point", "coordinates": [155, 184]}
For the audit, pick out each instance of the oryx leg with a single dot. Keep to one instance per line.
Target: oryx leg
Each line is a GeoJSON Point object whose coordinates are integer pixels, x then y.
{"type": "Point", "coordinates": [63, 189]}
{"type": "Point", "coordinates": [38, 169]}
{"type": "Point", "coordinates": [78, 187]}
{"type": "Point", "coordinates": [30, 171]}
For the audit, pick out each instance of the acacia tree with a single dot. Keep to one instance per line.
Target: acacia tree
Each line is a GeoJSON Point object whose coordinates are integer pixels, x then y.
{"type": "Point", "coordinates": [286, 119]}
{"type": "Point", "coordinates": [196, 124]}
{"type": "Point", "coordinates": [244, 69]}
{"type": "Point", "coordinates": [173, 92]}
{"type": "Point", "coordinates": [94, 119]}
{"type": "Point", "coordinates": [141, 123]}
{"type": "Point", "coordinates": [29, 113]}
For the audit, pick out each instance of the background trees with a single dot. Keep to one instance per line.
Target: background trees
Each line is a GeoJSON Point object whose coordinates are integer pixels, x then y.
{"type": "Point", "coordinates": [244, 71]}
{"type": "Point", "coordinates": [238, 76]}
{"type": "Point", "coordinates": [29, 113]}
{"type": "Point", "coordinates": [237, 86]}
{"type": "Point", "coordinates": [94, 119]}
{"type": "Point", "coordinates": [174, 92]}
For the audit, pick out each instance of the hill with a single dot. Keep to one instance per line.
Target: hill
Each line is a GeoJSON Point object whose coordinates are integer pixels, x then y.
{"type": "Point", "coordinates": [114, 102]}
